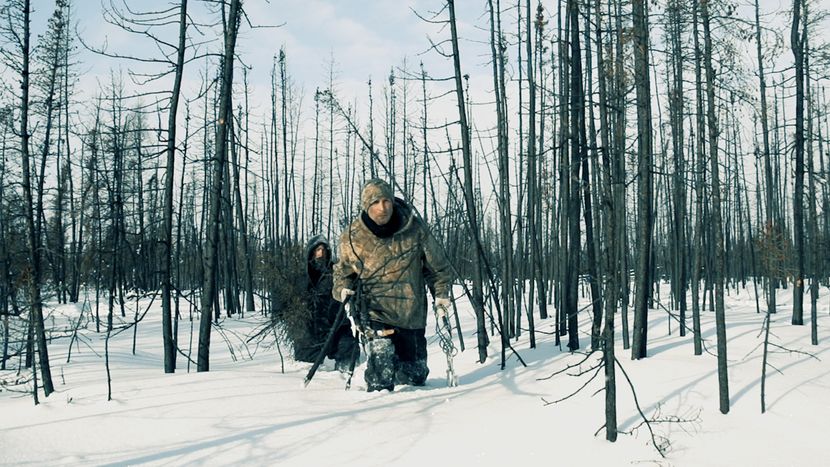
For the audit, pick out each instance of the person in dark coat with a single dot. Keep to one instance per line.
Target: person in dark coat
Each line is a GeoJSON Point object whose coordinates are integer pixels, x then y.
{"type": "Point", "coordinates": [323, 310]}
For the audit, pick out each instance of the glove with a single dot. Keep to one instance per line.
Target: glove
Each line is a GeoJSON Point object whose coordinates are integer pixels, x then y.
{"type": "Point", "coordinates": [353, 325]}
{"type": "Point", "coordinates": [442, 307]}
{"type": "Point", "coordinates": [345, 293]}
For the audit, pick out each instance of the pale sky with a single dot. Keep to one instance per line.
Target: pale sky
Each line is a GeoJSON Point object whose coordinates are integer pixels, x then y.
{"type": "Point", "coordinates": [365, 39]}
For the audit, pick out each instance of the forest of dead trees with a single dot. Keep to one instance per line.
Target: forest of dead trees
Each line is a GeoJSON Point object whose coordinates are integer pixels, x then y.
{"type": "Point", "coordinates": [621, 144]}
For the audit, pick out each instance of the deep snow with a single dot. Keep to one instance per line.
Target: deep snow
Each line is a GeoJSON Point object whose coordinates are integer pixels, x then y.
{"type": "Point", "coordinates": [246, 411]}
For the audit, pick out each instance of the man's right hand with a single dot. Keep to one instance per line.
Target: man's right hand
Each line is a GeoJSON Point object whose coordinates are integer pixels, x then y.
{"type": "Point", "coordinates": [345, 294]}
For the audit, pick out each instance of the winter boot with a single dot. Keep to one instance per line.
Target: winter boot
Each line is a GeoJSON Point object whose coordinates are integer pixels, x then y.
{"type": "Point", "coordinates": [380, 367]}
{"type": "Point", "coordinates": [413, 373]}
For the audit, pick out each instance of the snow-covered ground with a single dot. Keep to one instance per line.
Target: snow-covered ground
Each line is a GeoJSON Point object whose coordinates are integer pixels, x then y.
{"type": "Point", "coordinates": [246, 411]}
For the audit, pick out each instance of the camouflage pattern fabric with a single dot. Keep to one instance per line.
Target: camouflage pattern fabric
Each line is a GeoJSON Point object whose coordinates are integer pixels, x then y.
{"type": "Point", "coordinates": [384, 369]}
{"type": "Point", "coordinates": [393, 271]}
{"type": "Point", "coordinates": [380, 365]}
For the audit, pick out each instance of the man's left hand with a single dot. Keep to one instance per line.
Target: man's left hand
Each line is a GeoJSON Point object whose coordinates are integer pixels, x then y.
{"type": "Point", "coordinates": [442, 307]}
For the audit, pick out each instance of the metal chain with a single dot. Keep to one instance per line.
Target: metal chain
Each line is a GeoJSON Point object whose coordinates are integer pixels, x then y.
{"type": "Point", "coordinates": [442, 329]}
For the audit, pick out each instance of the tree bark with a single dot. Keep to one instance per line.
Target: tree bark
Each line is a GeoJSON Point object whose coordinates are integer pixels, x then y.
{"type": "Point", "coordinates": [797, 48]}
{"type": "Point", "coordinates": [718, 273]}
{"type": "Point", "coordinates": [209, 292]}
{"type": "Point", "coordinates": [167, 229]}
{"type": "Point", "coordinates": [32, 235]}
{"type": "Point", "coordinates": [644, 177]}
{"type": "Point", "coordinates": [469, 197]}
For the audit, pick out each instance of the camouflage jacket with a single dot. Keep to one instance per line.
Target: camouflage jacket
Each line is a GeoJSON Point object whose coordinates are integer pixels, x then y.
{"type": "Point", "coordinates": [393, 271]}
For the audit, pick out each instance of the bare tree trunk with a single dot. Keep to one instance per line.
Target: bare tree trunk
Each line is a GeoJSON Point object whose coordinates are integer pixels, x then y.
{"type": "Point", "coordinates": [577, 153]}
{"type": "Point", "coordinates": [824, 264]}
{"type": "Point", "coordinates": [53, 250]}
{"type": "Point", "coordinates": [219, 161]}
{"type": "Point", "coordinates": [644, 194]}
{"type": "Point", "coordinates": [59, 243]}
{"type": "Point", "coordinates": [115, 189]}
{"type": "Point", "coordinates": [284, 124]}
{"type": "Point", "coordinates": [424, 120]}
{"type": "Point", "coordinates": [142, 256]}
{"type": "Point", "coordinates": [110, 310]}
{"type": "Point", "coordinates": [700, 187]}
{"type": "Point", "coordinates": [316, 197]}
{"type": "Point", "coordinates": [676, 109]}
{"type": "Point", "coordinates": [167, 229]}
{"type": "Point", "coordinates": [226, 235]}
{"type": "Point", "coordinates": [812, 195]}
{"type": "Point", "coordinates": [619, 172]}
{"type": "Point", "coordinates": [96, 208]}
{"type": "Point", "coordinates": [534, 227]}
{"type": "Point", "coordinates": [32, 234]}
{"type": "Point", "coordinates": [247, 251]}
{"type": "Point", "coordinates": [563, 276]}
{"type": "Point", "coordinates": [797, 47]}
{"type": "Point", "coordinates": [506, 237]}
{"type": "Point", "coordinates": [273, 171]}
{"type": "Point", "coordinates": [179, 228]}
{"type": "Point", "coordinates": [771, 208]}
{"type": "Point", "coordinates": [591, 188]}
{"type": "Point", "coordinates": [76, 227]}
{"type": "Point", "coordinates": [610, 243]}
{"type": "Point", "coordinates": [5, 341]}
{"type": "Point", "coordinates": [718, 273]}
{"type": "Point", "coordinates": [469, 197]}
{"type": "Point", "coordinates": [330, 169]}
{"type": "Point", "coordinates": [5, 273]}
{"type": "Point", "coordinates": [521, 268]}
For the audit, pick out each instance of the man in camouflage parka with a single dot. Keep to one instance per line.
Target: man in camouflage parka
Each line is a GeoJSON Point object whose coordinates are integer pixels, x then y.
{"type": "Point", "coordinates": [390, 253]}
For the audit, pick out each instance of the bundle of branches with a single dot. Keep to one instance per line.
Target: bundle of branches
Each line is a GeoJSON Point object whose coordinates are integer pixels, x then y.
{"type": "Point", "coordinates": [286, 279]}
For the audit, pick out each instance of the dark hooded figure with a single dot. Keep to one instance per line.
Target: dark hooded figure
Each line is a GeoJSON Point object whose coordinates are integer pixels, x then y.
{"type": "Point", "coordinates": [323, 310]}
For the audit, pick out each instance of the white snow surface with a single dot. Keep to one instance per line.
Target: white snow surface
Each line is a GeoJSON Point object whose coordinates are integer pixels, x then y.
{"type": "Point", "coordinates": [247, 411]}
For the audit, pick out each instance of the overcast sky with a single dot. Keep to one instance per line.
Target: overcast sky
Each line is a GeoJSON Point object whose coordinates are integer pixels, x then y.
{"type": "Point", "coordinates": [363, 38]}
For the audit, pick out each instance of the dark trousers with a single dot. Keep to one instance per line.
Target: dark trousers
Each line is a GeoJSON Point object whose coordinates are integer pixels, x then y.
{"type": "Point", "coordinates": [342, 347]}
{"type": "Point", "coordinates": [400, 358]}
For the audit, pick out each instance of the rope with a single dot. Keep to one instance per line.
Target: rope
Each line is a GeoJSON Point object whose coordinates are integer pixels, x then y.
{"type": "Point", "coordinates": [445, 339]}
